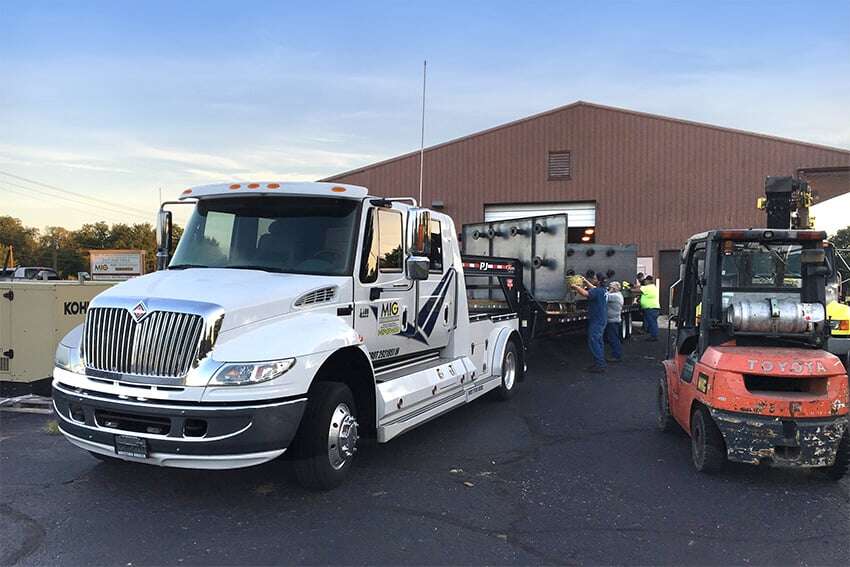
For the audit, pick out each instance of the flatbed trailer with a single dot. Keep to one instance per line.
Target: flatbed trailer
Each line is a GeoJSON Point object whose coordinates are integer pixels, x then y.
{"type": "Point", "coordinates": [537, 249]}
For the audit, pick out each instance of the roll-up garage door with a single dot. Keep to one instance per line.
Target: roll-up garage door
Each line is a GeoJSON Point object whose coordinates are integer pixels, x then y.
{"type": "Point", "coordinates": [580, 213]}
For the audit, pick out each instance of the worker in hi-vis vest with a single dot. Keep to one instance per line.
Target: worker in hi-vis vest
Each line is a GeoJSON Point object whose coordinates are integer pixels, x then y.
{"type": "Point", "coordinates": [649, 304]}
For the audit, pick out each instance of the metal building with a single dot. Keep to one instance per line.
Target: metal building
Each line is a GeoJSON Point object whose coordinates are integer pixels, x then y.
{"type": "Point", "coordinates": [621, 176]}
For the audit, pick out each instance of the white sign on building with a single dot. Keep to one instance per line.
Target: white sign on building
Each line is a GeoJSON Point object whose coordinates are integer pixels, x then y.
{"type": "Point", "coordinates": [116, 264]}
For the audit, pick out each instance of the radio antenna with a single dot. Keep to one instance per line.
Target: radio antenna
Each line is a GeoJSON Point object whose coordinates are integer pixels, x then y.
{"type": "Point", "coordinates": [422, 137]}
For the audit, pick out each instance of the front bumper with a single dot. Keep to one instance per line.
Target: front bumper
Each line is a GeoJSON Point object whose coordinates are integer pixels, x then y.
{"type": "Point", "coordinates": [778, 441]}
{"type": "Point", "coordinates": [180, 434]}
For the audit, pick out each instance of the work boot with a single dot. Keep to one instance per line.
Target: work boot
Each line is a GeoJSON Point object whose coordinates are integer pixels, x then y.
{"type": "Point", "coordinates": [595, 369]}
{"type": "Point", "coordinates": [615, 360]}
{"type": "Point", "coordinates": [652, 339]}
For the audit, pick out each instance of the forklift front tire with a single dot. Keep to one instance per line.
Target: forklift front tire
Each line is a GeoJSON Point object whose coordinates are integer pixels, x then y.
{"type": "Point", "coordinates": [665, 421]}
{"type": "Point", "coordinates": [842, 458]}
{"type": "Point", "coordinates": [708, 449]}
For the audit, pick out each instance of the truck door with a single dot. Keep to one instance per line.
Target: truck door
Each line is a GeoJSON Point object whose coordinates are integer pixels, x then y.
{"type": "Point", "coordinates": [384, 298]}
{"type": "Point", "coordinates": [437, 293]}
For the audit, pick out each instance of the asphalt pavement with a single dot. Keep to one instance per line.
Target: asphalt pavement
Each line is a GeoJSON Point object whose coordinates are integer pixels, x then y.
{"type": "Point", "coordinates": [571, 471]}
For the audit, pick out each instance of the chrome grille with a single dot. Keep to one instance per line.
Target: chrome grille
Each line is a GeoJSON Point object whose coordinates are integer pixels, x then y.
{"type": "Point", "coordinates": [165, 343]}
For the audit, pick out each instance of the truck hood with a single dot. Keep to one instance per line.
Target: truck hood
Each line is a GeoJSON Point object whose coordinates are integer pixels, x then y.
{"type": "Point", "coordinates": [247, 296]}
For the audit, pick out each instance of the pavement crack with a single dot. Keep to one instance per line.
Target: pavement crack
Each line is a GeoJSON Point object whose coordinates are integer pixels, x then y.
{"type": "Point", "coordinates": [33, 535]}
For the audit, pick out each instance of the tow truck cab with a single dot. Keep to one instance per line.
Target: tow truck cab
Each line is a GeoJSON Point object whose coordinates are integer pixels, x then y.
{"type": "Point", "coordinates": [292, 317]}
{"type": "Point", "coordinates": [747, 374]}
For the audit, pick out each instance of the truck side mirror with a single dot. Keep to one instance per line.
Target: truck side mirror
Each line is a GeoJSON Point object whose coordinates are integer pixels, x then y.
{"type": "Point", "coordinates": [419, 231]}
{"type": "Point", "coordinates": [163, 238]}
{"type": "Point", "coordinates": [417, 267]}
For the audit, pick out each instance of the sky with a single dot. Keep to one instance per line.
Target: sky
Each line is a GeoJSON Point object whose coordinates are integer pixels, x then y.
{"type": "Point", "coordinates": [119, 102]}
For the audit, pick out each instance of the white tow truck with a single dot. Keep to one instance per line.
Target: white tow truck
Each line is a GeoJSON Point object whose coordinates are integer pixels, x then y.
{"type": "Point", "coordinates": [292, 317]}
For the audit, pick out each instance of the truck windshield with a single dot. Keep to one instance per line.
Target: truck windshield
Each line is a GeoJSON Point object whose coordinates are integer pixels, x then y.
{"type": "Point", "coordinates": [299, 235]}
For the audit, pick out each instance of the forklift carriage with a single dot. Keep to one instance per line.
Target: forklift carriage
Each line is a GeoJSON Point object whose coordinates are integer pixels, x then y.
{"type": "Point", "coordinates": [747, 375]}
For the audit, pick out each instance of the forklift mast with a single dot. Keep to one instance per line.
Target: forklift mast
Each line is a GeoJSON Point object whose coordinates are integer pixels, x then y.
{"type": "Point", "coordinates": [788, 203]}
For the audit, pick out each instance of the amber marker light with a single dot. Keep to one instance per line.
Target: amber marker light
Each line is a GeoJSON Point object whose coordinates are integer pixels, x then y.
{"type": "Point", "coordinates": [338, 189]}
{"type": "Point", "coordinates": [235, 186]}
{"type": "Point", "coordinates": [273, 185]}
{"type": "Point", "coordinates": [187, 192]}
{"type": "Point", "coordinates": [253, 185]}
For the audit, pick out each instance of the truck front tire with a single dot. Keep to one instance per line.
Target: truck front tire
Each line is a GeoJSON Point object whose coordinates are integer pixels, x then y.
{"type": "Point", "coordinates": [326, 442]}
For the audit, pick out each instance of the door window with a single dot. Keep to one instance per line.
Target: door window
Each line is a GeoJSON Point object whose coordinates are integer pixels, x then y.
{"type": "Point", "coordinates": [382, 246]}
{"type": "Point", "coordinates": [389, 228]}
{"type": "Point", "coordinates": [436, 256]}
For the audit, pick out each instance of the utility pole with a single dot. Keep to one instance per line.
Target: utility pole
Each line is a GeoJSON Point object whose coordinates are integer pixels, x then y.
{"type": "Point", "coordinates": [55, 254]}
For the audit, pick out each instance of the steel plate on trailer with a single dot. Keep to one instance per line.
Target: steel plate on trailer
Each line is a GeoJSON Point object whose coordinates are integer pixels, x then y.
{"type": "Point", "coordinates": [550, 244]}
{"type": "Point", "coordinates": [514, 239]}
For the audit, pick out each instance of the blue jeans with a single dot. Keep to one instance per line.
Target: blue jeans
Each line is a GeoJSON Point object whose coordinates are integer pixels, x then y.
{"type": "Point", "coordinates": [650, 321]}
{"type": "Point", "coordinates": [612, 337]}
{"type": "Point", "coordinates": [595, 333]}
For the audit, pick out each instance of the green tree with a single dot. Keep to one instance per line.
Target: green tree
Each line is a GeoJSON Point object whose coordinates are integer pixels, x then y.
{"type": "Point", "coordinates": [62, 243]}
{"type": "Point", "coordinates": [24, 239]}
{"type": "Point", "coordinates": [841, 241]}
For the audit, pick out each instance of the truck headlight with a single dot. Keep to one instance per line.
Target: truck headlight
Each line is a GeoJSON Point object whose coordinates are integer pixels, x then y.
{"type": "Point", "coordinates": [68, 358]}
{"type": "Point", "coordinates": [251, 373]}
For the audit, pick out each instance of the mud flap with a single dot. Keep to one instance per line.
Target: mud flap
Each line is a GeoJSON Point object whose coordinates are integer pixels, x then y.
{"type": "Point", "coordinates": [780, 442]}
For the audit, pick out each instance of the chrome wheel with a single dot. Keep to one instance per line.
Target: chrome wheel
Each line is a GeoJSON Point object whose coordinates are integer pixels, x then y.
{"type": "Point", "coordinates": [342, 436]}
{"type": "Point", "coordinates": [509, 370]}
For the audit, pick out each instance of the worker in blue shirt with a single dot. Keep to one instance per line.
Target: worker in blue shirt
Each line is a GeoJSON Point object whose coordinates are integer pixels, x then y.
{"type": "Point", "coordinates": [597, 319]}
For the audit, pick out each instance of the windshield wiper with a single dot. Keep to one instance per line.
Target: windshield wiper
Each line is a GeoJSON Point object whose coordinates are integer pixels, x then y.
{"type": "Point", "coordinates": [185, 266]}
{"type": "Point", "coordinates": [261, 268]}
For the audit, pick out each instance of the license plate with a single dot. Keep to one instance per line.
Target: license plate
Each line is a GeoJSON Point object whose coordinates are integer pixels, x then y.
{"type": "Point", "coordinates": [130, 446]}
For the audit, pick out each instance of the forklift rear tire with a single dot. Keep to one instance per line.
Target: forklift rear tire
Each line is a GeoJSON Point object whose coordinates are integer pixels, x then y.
{"type": "Point", "coordinates": [708, 449]}
{"type": "Point", "coordinates": [664, 419]}
{"type": "Point", "coordinates": [511, 367]}
{"type": "Point", "coordinates": [842, 458]}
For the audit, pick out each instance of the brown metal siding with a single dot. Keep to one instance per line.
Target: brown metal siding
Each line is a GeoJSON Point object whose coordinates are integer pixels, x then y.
{"type": "Point", "coordinates": [656, 181]}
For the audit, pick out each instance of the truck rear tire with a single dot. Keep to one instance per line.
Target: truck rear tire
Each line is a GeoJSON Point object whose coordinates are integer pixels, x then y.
{"type": "Point", "coordinates": [326, 442]}
{"type": "Point", "coordinates": [708, 449]}
{"type": "Point", "coordinates": [664, 419]}
{"type": "Point", "coordinates": [842, 458]}
{"type": "Point", "coordinates": [510, 372]}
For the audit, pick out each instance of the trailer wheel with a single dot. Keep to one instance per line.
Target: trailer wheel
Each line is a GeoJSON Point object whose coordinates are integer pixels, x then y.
{"type": "Point", "coordinates": [664, 418]}
{"type": "Point", "coordinates": [707, 446]}
{"type": "Point", "coordinates": [326, 442]}
{"type": "Point", "coordinates": [510, 372]}
{"type": "Point", "coordinates": [626, 327]}
{"type": "Point", "coordinates": [842, 458]}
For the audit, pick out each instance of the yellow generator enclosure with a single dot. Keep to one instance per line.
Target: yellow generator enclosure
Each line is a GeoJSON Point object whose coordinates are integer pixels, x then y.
{"type": "Point", "coordinates": [34, 316]}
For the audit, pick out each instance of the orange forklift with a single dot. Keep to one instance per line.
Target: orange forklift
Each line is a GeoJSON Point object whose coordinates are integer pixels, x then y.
{"type": "Point", "coordinates": [747, 374]}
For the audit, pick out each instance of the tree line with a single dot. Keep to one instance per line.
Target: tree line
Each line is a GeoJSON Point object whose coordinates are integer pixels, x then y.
{"type": "Point", "coordinates": [67, 250]}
